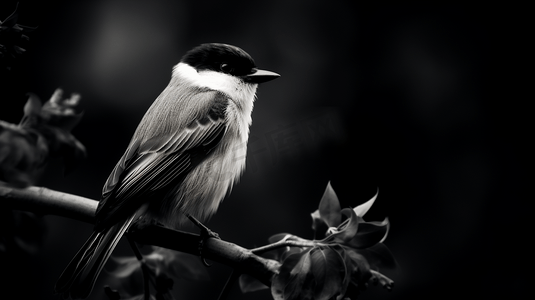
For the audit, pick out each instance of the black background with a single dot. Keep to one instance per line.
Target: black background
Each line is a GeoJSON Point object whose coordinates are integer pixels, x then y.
{"type": "Point", "coordinates": [402, 98]}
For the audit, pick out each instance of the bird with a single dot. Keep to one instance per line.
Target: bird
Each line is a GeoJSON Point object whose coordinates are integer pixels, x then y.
{"type": "Point", "coordinates": [183, 159]}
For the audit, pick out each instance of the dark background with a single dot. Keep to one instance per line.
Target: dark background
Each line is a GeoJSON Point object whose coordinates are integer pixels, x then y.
{"type": "Point", "coordinates": [402, 98]}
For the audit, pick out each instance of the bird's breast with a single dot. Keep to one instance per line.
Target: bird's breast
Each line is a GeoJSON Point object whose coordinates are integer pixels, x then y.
{"type": "Point", "coordinates": [208, 183]}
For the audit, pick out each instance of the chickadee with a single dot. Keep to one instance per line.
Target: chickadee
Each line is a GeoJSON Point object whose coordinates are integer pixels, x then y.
{"type": "Point", "coordinates": [185, 155]}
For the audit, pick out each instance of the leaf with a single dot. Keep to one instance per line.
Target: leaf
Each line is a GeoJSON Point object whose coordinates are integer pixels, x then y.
{"type": "Point", "coordinates": [280, 253]}
{"type": "Point", "coordinates": [287, 285]}
{"type": "Point", "coordinates": [289, 251]}
{"type": "Point", "coordinates": [319, 273]}
{"type": "Point", "coordinates": [298, 276]}
{"type": "Point", "coordinates": [316, 219]}
{"type": "Point", "coordinates": [277, 237]}
{"type": "Point", "coordinates": [359, 267]}
{"type": "Point", "coordinates": [44, 131]}
{"type": "Point", "coordinates": [329, 207]}
{"type": "Point", "coordinates": [318, 225]}
{"type": "Point", "coordinates": [124, 274]}
{"type": "Point", "coordinates": [362, 209]}
{"type": "Point", "coordinates": [369, 234]}
{"type": "Point", "coordinates": [162, 264]}
{"type": "Point", "coordinates": [23, 155]}
{"type": "Point", "coordinates": [347, 230]}
{"type": "Point", "coordinates": [250, 284]}
{"type": "Point", "coordinates": [328, 270]}
{"type": "Point", "coordinates": [347, 269]}
{"type": "Point", "coordinates": [33, 106]}
{"type": "Point", "coordinates": [126, 266]}
{"type": "Point", "coordinates": [176, 264]}
{"type": "Point", "coordinates": [358, 272]}
{"type": "Point", "coordinates": [352, 228]}
{"type": "Point", "coordinates": [60, 113]}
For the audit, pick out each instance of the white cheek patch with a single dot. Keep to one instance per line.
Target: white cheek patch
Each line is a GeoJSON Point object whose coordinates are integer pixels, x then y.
{"type": "Point", "coordinates": [209, 79]}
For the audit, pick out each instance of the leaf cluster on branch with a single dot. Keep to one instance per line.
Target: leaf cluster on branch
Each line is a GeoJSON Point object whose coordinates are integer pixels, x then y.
{"type": "Point", "coordinates": [43, 132]}
{"type": "Point", "coordinates": [339, 265]}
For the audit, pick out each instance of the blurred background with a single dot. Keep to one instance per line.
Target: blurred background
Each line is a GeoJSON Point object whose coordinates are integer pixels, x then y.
{"type": "Point", "coordinates": [398, 98]}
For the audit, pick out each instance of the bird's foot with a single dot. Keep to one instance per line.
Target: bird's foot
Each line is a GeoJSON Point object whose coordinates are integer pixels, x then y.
{"type": "Point", "coordinates": [205, 234]}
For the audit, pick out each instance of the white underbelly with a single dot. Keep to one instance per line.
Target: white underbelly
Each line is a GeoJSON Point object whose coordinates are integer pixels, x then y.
{"type": "Point", "coordinates": [206, 185]}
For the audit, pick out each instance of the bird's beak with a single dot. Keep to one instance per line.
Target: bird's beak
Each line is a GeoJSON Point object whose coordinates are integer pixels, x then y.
{"type": "Point", "coordinates": [260, 76]}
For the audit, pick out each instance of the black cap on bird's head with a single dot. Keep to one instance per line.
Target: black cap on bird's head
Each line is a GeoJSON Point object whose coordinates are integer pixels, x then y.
{"type": "Point", "coordinates": [226, 59]}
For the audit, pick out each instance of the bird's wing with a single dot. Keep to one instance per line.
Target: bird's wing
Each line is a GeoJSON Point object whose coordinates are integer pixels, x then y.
{"type": "Point", "coordinates": [148, 168]}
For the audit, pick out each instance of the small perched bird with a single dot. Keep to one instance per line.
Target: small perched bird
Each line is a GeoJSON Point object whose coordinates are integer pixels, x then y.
{"type": "Point", "coordinates": [184, 157]}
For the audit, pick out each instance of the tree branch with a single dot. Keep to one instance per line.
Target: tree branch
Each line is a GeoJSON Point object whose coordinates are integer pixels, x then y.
{"type": "Point", "coordinates": [244, 260]}
{"type": "Point", "coordinates": [45, 201]}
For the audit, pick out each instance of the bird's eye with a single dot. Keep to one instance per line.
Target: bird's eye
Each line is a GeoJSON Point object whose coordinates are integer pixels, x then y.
{"type": "Point", "coordinates": [226, 68]}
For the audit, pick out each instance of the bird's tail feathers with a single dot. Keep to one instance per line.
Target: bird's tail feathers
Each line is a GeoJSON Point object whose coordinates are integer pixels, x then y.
{"type": "Point", "coordinates": [79, 277]}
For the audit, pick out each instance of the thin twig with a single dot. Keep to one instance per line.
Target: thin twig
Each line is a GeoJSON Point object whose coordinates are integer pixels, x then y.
{"type": "Point", "coordinates": [134, 247]}
{"type": "Point", "coordinates": [294, 242]}
{"type": "Point", "coordinates": [228, 285]}
{"type": "Point", "coordinates": [144, 270]}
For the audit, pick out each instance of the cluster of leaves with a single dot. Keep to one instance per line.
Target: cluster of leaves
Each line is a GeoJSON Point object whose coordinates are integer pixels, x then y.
{"type": "Point", "coordinates": [339, 265]}
{"type": "Point", "coordinates": [161, 266]}
{"type": "Point", "coordinates": [12, 39]}
{"type": "Point", "coordinates": [44, 131]}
